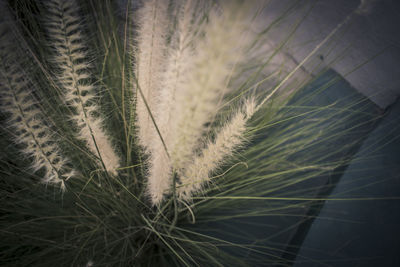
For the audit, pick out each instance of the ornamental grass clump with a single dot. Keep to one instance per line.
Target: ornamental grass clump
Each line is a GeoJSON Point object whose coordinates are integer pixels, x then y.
{"type": "Point", "coordinates": [171, 125]}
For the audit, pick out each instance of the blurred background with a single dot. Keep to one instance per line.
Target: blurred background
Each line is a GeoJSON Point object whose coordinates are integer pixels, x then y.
{"type": "Point", "coordinates": [365, 52]}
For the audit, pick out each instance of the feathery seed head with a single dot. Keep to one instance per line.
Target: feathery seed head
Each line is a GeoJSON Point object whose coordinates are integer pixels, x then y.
{"type": "Point", "coordinates": [227, 141]}
{"type": "Point", "coordinates": [207, 76]}
{"type": "Point", "coordinates": [177, 61]}
{"type": "Point", "coordinates": [63, 24]}
{"type": "Point", "coordinates": [25, 117]}
{"type": "Point", "coordinates": [185, 88]}
{"type": "Point", "coordinates": [150, 63]}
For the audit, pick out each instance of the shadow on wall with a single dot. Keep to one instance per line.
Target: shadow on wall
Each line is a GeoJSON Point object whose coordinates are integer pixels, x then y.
{"type": "Point", "coordinates": [362, 233]}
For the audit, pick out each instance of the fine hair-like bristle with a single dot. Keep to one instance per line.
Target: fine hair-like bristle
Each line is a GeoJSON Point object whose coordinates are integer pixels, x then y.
{"type": "Point", "coordinates": [149, 65]}
{"type": "Point", "coordinates": [160, 169]}
{"type": "Point", "coordinates": [66, 38]}
{"type": "Point", "coordinates": [226, 142]}
{"type": "Point", "coordinates": [26, 119]}
{"type": "Point", "coordinates": [206, 76]}
{"type": "Point", "coordinates": [186, 86]}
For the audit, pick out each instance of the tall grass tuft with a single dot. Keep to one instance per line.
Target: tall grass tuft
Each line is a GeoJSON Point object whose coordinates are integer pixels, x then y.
{"type": "Point", "coordinates": [214, 143]}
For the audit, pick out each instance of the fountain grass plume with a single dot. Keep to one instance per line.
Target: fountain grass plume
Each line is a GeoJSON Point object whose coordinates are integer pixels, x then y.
{"type": "Point", "coordinates": [177, 60]}
{"type": "Point", "coordinates": [63, 25]}
{"type": "Point", "coordinates": [149, 64]}
{"type": "Point", "coordinates": [192, 86]}
{"type": "Point", "coordinates": [229, 139]}
{"type": "Point", "coordinates": [26, 119]}
{"type": "Point", "coordinates": [205, 77]}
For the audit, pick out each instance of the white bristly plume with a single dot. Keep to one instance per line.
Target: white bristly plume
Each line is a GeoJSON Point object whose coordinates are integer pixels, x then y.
{"type": "Point", "coordinates": [227, 141]}
{"type": "Point", "coordinates": [185, 97]}
{"type": "Point", "coordinates": [150, 60]}
{"type": "Point", "coordinates": [205, 77]}
{"type": "Point", "coordinates": [25, 117]}
{"type": "Point", "coordinates": [159, 177]}
{"type": "Point", "coordinates": [63, 27]}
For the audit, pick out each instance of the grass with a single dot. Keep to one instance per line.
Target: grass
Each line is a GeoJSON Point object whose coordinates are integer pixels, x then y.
{"type": "Point", "coordinates": [253, 200]}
